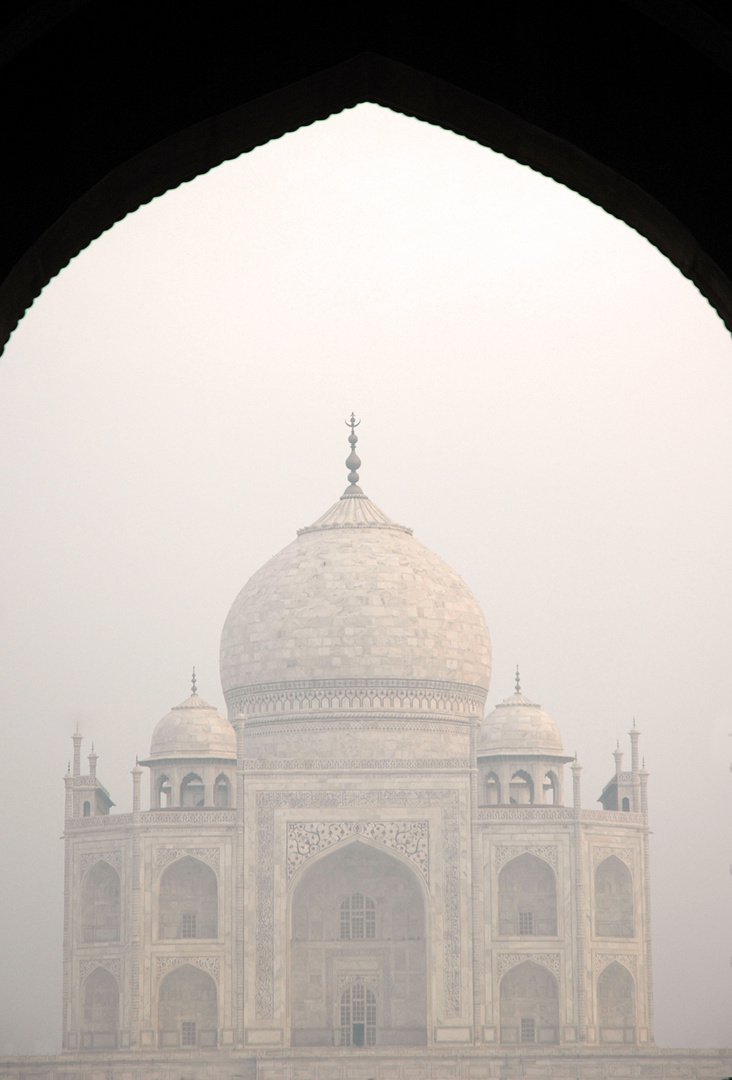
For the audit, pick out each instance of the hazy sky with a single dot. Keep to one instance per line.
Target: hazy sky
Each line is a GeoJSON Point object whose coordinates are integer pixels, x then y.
{"type": "Point", "coordinates": [544, 399]}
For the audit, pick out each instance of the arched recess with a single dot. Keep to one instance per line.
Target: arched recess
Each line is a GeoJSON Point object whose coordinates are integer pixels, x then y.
{"type": "Point", "coordinates": [492, 789]}
{"type": "Point", "coordinates": [100, 903]}
{"type": "Point", "coordinates": [188, 900]}
{"type": "Point", "coordinates": [551, 788]}
{"type": "Point", "coordinates": [527, 897]}
{"type": "Point", "coordinates": [192, 791]}
{"type": "Point", "coordinates": [614, 916]}
{"type": "Point", "coordinates": [389, 957]}
{"type": "Point", "coordinates": [188, 1008]}
{"type": "Point", "coordinates": [616, 1004]}
{"type": "Point", "coordinates": [100, 1011]}
{"type": "Point", "coordinates": [163, 793]}
{"type": "Point", "coordinates": [222, 791]}
{"type": "Point", "coordinates": [522, 788]}
{"type": "Point", "coordinates": [546, 120]}
{"type": "Point", "coordinates": [529, 1005]}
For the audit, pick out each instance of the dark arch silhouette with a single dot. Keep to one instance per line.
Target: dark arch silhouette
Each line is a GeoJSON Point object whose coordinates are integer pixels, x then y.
{"type": "Point", "coordinates": [621, 102]}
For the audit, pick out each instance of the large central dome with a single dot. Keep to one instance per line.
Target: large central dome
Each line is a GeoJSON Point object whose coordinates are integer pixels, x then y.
{"type": "Point", "coordinates": [355, 596]}
{"type": "Point", "coordinates": [356, 619]}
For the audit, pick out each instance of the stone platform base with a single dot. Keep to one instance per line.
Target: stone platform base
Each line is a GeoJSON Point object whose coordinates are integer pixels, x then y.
{"type": "Point", "coordinates": [429, 1064]}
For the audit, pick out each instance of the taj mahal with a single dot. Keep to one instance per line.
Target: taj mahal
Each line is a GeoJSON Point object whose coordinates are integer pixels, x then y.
{"type": "Point", "coordinates": [357, 873]}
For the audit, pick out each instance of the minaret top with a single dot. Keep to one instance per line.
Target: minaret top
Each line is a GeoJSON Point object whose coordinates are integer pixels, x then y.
{"type": "Point", "coordinates": [353, 461]}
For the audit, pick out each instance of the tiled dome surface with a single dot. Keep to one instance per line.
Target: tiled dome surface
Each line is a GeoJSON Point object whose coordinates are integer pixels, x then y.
{"type": "Point", "coordinates": [355, 596]}
{"type": "Point", "coordinates": [519, 725]}
{"type": "Point", "coordinates": [193, 729]}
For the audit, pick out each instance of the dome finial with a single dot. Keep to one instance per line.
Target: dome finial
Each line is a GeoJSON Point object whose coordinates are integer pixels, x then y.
{"type": "Point", "coordinates": [353, 461]}
{"type": "Point", "coordinates": [518, 680]}
{"type": "Point", "coordinates": [193, 682]}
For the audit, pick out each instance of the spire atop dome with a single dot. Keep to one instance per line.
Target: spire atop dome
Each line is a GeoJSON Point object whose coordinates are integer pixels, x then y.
{"type": "Point", "coordinates": [193, 682]}
{"type": "Point", "coordinates": [353, 461]}
{"type": "Point", "coordinates": [518, 680]}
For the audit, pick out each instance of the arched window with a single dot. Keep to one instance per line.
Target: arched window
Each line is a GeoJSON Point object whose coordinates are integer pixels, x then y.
{"type": "Point", "coordinates": [551, 789]}
{"type": "Point", "coordinates": [492, 788]}
{"type": "Point", "coordinates": [222, 791]}
{"type": "Point", "coordinates": [358, 1016]}
{"type": "Point", "coordinates": [100, 904]}
{"type": "Point", "coordinates": [527, 897]}
{"type": "Point", "coordinates": [529, 1005]}
{"type": "Point", "coordinates": [358, 918]}
{"type": "Point", "coordinates": [522, 788]}
{"type": "Point", "coordinates": [188, 900]}
{"type": "Point", "coordinates": [625, 803]}
{"type": "Point", "coordinates": [87, 809]}
{"type": "Point", "coordinates": [100, 1017]}
{"type": "Point", "coordinates": [165, 794]}
{"type": "Point", "coordinates": [192, 792]}
{"type": "Point", "coordinates": [616, 1004]}
{"type": "Point", "coordinates": [613, 899]}
{"type": "Point", "coordinates": [187, 1008]}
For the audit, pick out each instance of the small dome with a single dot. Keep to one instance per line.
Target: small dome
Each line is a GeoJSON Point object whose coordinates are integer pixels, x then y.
{"type": "Point", "coordinates": [519, 726]}
{"type": "Point", "coordinates": [193, 729]}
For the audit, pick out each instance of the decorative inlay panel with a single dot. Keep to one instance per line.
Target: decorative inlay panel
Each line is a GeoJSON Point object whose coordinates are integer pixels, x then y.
{"type": "Point", "coordinates": [114, 858]}
{"type": "Point", "coordinates": [281, 699]}
{"type": "Point", "coordinates": [371, 982]}
{"type": "Point", "coordinates": [192, 817]}
{"type": "Point", "coordinates": [367, 800]}
{"type": "Point", "coordinates": [165, 856]}
{"type": "Point", "coordinates": [308, 838]}
{"type": "Point", "coordinates": [524, 813]}
{"type": "Point", "coordinates": [506, 961]}
{"type": "Point", "coordinates": [601, 960]}
{"type": "Point", "coordinates": [505, 852]}
{"type": "Point", "coordinates": [377, 981]}
{"type": "Point", "coordinates": [164, 964]}
{"type": "Point", "coordinates": [390, 764]}
{"type": "Point", "coordinates": [99, 821]}
{"type": "Point", "coordinates": [625, 854]}
{"type": "Point", "coordinates": [113, 966]}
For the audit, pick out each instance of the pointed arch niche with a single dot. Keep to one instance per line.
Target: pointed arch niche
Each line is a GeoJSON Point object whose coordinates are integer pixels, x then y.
{"type": "Point", "coordinates": [100, 1010]}
{"type": "Point", "coordinates": [358, 956]}
{"type": "Point", "coordinates": [100, 904]}
{"type": "Point", "coordinates": [188, 900]}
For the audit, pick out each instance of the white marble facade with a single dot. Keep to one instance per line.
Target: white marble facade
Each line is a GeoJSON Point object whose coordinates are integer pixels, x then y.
{"type": "Point", "coordinates": [357, 857]}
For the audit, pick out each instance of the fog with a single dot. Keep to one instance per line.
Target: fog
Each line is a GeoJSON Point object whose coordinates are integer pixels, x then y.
{"type": "Point", "coordinates": [544, 399]}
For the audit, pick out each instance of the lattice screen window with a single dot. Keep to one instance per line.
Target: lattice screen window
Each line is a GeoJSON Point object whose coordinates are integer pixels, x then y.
{"type": "Point", "coordinates": [188, 925]}
{"type": "Point", "coordinates": [188, 1033]}
{"type": "Point", "coordinates": [358, 1016]}
{"type": "Point", "coordinates": [525, 922]}
{"type": "Point", "coordinates": [528, 1029]}
{"type": "Point", "coordinates": [358, 917]}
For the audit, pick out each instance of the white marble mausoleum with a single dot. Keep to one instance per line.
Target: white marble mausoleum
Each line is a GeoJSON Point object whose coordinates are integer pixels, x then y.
{"type": "Point", "coordinates": [357, 864]}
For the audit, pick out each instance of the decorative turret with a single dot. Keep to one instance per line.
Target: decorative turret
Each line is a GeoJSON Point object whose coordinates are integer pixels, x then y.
{"type": "Point", "coordinates": [623, 791]}
{"type": "Point", "coordinates": [192, 757]}
{"type": "Point", "coordinates": [520, 755]}
{"type": "Point", "coordinates": [89, 798]}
